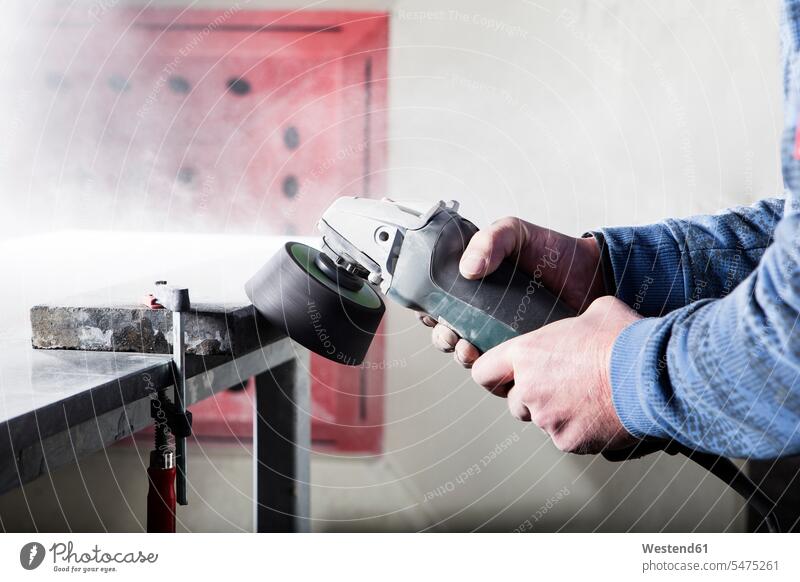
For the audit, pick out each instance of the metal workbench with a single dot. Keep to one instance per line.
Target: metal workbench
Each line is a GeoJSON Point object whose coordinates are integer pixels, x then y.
{"type": "Point", "coordinates": [57, 406]}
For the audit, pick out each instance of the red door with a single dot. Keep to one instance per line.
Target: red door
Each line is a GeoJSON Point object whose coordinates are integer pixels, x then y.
{"type": "Point", "coordinates": [226, 121]}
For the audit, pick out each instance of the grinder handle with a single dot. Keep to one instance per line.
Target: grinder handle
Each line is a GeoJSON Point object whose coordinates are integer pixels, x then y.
{"type": "Point", "coordinates": [486, 312]}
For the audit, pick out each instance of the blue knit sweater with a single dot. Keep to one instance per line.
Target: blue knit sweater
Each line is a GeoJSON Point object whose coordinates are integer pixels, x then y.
{"type": "Point", "coordinates": [716, 362]}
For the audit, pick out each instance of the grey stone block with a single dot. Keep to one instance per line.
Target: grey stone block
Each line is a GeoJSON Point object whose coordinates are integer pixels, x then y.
{"type": "Point", "coordinates": [211, 329]}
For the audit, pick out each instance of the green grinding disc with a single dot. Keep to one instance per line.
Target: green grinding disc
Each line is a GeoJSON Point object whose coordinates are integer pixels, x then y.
{"type": "Point", "coordinates": [305, 256]}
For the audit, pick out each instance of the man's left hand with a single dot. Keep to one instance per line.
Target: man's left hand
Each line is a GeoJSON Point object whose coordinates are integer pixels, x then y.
{"type": "Point", "coordinates": [561, 377]}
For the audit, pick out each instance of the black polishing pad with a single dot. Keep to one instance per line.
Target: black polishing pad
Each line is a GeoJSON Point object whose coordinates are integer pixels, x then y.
{"type": "Point", "coordinates": [319, 305]}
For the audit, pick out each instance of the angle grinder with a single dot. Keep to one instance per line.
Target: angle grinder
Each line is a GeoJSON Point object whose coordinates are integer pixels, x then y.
{"type": "Point", "coordinates": [330, 300]}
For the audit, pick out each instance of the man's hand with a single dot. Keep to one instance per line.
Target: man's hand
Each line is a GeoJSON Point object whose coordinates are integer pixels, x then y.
{"type": "Point", "coordinates": [575, 275]}
{"type": "Point", "coordinates": [560, 376]}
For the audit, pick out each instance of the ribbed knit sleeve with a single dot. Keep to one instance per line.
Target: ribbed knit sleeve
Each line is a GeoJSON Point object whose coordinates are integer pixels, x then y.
{"type": "Point", "coordinates": [661, 267]}
{"type": "Point", "coordinates": [721, 375]}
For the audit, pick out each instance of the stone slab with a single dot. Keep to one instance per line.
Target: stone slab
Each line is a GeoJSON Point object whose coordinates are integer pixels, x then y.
{"type": "Point", "coordinates": [211, 329]}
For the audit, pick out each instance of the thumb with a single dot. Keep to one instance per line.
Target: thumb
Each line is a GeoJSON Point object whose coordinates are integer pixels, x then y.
{"type": "Point", "coordinates": [495, 369]}
{"type": "Point", "coordinates": [488, 247]}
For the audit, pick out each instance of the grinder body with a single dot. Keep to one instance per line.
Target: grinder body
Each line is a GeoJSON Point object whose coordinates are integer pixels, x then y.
{"type": "Point", "coordinates": [327, 299]}
{"type": "Point", "coordinates": [485, 312]}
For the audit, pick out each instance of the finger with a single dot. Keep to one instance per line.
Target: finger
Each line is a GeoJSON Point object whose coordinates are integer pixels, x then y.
{"type": "Point", "coordinates": [517, 407]}
{"type": "Point", "coordinates": [465, 353]}
{"type": "Point", "coordinates": [444, 338]}
{"type": "Point", "coordinates": [426, 319]}
{"type": "Point", "coordinates": [495, 368]}
{"type": "Point", "coordinates": [488, 247]}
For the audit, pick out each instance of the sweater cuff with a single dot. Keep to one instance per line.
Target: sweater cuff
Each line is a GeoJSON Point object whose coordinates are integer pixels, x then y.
{"type": "Point", "coordinates": [646, 265]}
{"type": "Point", "coordinates": [637, 368]}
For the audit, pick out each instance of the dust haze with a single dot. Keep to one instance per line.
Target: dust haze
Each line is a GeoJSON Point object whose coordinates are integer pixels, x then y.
{"type": "Point", "coordinates": [115, 121]}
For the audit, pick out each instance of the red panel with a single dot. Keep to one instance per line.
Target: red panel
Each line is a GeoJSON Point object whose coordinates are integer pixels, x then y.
{"type": "Point", "coordinates": [348, 403]}
{"type": "Point", "coordinates": [223, 121]}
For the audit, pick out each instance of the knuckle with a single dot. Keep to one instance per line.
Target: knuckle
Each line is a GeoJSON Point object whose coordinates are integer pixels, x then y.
{"type": "Point", "coordinates": [512, 408]}
{"type": "Point", "coordinates": [507, 222]}
{"type": "Point", "coordinates": [562, 443]}
{"type": "Point", "coordinates": [464, 353]}
{"type": "Point", "coordinates": [464, 363]}
{"type": "Point", "coordinates": [540, 420]}
{"type": "Point", "coordinates": [518, 409]}
{"type": "Point", "coordinates": [481, 239]}
{"type": "Point", "coordinates": [566, 442]}
{"type": "Point", "coordinates": [517, 414]}
{"type": "Point", "coordinates": [505, 230]}
{"type": "Point", "coordinates": [426, 319]}
{"type": "Point", "coordinates": [445, 333]}
{"type": "Point", "coordinates": [477, 374]}
{"type": "Point", "coordinates": [517, 355]}
{"type": "Point", "coordinates": [603, 302]}
{"type": "Point", "coordinates": [487, 381]}
{"type": "Point", "coordinates": [480, 245]}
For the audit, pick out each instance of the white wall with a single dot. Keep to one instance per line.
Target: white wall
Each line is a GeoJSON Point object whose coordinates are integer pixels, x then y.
{"type": "Point", "coordinates": [572, 114]}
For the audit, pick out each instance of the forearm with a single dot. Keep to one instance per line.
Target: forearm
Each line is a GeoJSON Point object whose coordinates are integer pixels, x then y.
{"type": "Point", "coordinates": [661, 267]}
{"type": "Point", "coordinates": [721, 375]}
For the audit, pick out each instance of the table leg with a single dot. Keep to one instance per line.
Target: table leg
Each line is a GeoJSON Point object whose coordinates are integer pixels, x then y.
{"type": "Point", "coordinates": [281, 455]}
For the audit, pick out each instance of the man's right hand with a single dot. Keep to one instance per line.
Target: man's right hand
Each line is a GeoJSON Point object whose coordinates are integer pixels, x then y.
{"type": "Point", "coordinates": [576, 276]}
